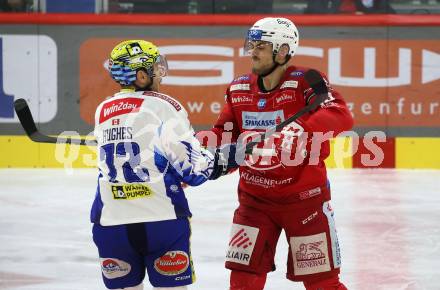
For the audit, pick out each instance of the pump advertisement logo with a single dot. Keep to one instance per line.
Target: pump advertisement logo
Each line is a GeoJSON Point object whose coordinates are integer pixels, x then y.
{"type": "Point", "coordinates": [385, 82]}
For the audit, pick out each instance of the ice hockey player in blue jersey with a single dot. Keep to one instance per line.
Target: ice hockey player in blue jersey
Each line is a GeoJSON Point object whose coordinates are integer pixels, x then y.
{"type": "Point", "coordinates": [146, 149]}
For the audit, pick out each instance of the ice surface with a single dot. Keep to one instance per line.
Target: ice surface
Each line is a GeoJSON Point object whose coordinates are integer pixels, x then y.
{"type": "Point", "coordinates": [388, 223]}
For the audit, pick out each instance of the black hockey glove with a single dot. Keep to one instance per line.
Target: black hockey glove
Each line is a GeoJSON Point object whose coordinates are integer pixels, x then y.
{"type": "Point", "coordinates": [227, 157]}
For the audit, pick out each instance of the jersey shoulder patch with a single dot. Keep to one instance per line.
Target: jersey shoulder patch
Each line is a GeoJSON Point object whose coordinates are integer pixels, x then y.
{"type": "Point", "coordinates": [241, 79]}
{"type": "Point", "coordinates": [242, 83]}
{"type": "Point", "coordinates": [239, 87]}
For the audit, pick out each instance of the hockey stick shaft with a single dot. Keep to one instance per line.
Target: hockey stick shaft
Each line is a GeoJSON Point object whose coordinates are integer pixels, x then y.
{"type": "Point", "coordinates": [319, 86]}
{"type": "Point", "coordinates": [27, 122]}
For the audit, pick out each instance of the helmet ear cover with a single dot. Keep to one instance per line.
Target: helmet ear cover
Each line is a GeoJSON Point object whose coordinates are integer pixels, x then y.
{"type": "Point", "coordinates": [122, 74]}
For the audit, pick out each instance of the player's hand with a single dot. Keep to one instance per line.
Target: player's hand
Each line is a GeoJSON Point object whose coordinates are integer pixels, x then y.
{"type": "Point", "coordinates": [227, 160]}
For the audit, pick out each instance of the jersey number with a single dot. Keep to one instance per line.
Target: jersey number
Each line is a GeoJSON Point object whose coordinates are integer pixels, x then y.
{"type": "Point", "coordinates": [131, 168]}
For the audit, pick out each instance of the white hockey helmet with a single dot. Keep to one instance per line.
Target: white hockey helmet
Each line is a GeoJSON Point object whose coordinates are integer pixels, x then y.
{"type": "Point", "coordinates": [275, 30]}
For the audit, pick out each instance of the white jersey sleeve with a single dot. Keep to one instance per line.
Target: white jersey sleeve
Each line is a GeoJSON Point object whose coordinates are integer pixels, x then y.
{"type": "Point", "coordinates": [191, 162]}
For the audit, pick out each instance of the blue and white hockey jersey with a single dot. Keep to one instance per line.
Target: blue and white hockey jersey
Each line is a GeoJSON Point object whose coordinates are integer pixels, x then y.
{"type": "Point", "coordinates": [146, 148]}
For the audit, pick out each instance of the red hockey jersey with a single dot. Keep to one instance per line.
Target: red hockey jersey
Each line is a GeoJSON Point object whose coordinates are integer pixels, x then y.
{"type": "Point", "coordinates": [265, 181]}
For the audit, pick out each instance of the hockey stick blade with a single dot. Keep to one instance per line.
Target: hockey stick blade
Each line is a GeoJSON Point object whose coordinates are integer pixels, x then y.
{"type": "Point", "coordinates": [25, 117]}
{"type": "Point", "coordinates": [319, 86]}
{"type": "Point", "coordinates": [27, 122]}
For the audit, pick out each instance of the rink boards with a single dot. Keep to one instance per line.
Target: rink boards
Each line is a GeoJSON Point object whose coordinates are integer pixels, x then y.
{"type": "Point", "coordinates": [398, 152]}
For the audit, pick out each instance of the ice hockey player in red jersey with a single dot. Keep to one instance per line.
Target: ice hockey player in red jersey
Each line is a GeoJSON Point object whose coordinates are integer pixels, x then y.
{"type": "Point", "coordinates": [283, 184]}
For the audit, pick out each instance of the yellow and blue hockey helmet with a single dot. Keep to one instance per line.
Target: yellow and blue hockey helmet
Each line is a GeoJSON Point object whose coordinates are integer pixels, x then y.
{"type": "Point", "coordinates": [129, 56]}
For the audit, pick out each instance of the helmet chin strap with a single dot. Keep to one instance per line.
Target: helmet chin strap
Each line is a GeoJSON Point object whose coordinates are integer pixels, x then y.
{"type": "Point", "coordinates": [275, 65]}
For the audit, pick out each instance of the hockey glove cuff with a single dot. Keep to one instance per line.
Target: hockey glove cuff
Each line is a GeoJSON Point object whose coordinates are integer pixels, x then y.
{"type": "Point", "coordinates": [226, 159]}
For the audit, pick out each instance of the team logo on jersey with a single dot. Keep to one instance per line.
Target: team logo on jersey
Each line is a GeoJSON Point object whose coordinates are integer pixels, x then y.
{"type": "Point", "coordinates": [310, 254]}
{"type": "Point", "coordinates": [261, 104]}
{"type": "Point", "coordinates": [289, 84]}
{"type": "Point", "coordinates": [113, 268]}
{"type": "Point", "coordinates": [261, 120]}
{"type": "Point", "coordinates": [172, 263]}
{"type": "Point", "coordinates": [284, 97]}
{"type": "Point", "coordinates": [239, 87]}
{"type": "Point", "coordinates": [241, 99]}
{"type": "Point", "coordinates": [131, 191]}
{"type": "Point", "coordinates": [264, 155]}
{"type": "Point", "coordinates": [241, 244]}
{"type": "Point", "coordinates": [119, 107]}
